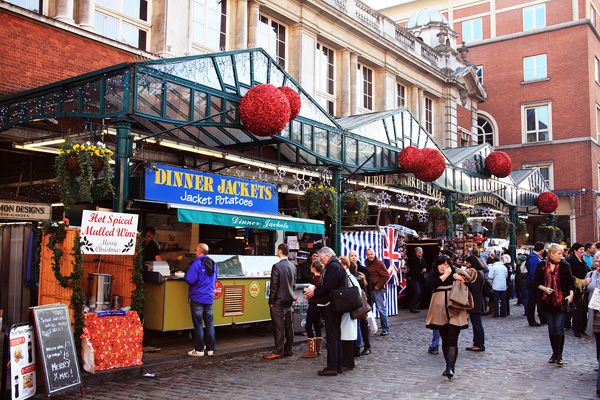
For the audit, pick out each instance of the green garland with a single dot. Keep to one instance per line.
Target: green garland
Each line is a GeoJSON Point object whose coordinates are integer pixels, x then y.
{"type": "Point", "coordinates": [57, 234]}
{"type": "Point", "coordinates": [137, 278]}
{"type": "Point", "coordinates": [37, 256]}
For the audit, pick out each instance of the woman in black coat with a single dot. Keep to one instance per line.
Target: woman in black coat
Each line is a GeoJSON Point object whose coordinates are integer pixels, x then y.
{"type": "Point", "coordinates": [554, 281]}
{"type": "Point", "coordinates": [476, 289]}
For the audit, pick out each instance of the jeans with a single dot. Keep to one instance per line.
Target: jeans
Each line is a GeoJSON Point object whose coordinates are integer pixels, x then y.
{"type": "Point", "coordinates": [379, 297]}
{"type": "Point", "coordinates": [499, 303]}
{"type": "Point", "coordinates": [416, 295]}
{"type": "Point", "coordinates": [313, 319]}
{"type": "Point", "coordinates": [203, 312]}
{"type": "Point", "coordinates": [435, 340]}
{"type": "Point", "coordinates": [334, 338]}
{"type": "Point", "coordinates": [524, 298]}
{"type": "Point", "coordinates": [556, 322]}
{"type": "Point", "coordinates": [478, 333]}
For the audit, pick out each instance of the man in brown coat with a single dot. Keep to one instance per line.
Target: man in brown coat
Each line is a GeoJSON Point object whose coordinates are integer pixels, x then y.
{"type": "Point", "coordinates": [379, 277]}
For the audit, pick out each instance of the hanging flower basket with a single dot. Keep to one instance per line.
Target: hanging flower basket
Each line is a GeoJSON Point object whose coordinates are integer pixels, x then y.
{"type": "Point", "coordinates": [461, 218]}
{"type": "Point", "coordinates": [521, 228]}
{"type": "Point", "coordinates": [437, 213]}
{"type": "Point", "coordinates": [498, 163]}
{"type": "Point", "coordinates": [77, 167]}
{"type": "Point", "coordinates": [547, 202]}
{"type": "Point", "coordinates": [321, 201]}
{"type": "Point", "coordinates": [355, 209]}
{"type": "Point", "coordinates": [504, 228]}
{"type": "Point", "coordinates": [551, 234]}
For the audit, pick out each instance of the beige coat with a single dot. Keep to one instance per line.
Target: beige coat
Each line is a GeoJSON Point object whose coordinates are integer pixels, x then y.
{"type": "Point", "coordinates": [439, 314]}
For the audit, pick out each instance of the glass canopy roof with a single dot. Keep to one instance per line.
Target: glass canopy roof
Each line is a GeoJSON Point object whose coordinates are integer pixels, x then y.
{"type": "Point", "coordinates": [159, 95]}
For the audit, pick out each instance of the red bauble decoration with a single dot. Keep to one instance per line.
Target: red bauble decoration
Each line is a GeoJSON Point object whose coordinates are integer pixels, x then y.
{"type": "Point", "coordinates": [547, 202]}
{"type": "Point", "coordinates": [410, 158]}
{"type": "Point", "coordinates": [264, 110]}
{"type": "Point", "coordinates": [499, 164]}
{"type": "Point", "coordinates": [432, 165]}
{"type": "Point", "coordinates": [294, 100]}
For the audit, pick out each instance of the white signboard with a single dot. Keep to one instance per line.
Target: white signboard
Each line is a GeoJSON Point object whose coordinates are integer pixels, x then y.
{"type": "Point", "coordinates": [24, 211]}
{"type": "Point", "coordinates": [22, 362]}
{"type": "Point", "coordinates": [108, 233]}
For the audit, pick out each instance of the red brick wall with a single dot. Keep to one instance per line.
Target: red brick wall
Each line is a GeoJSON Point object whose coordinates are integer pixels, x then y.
{"type": "Point", "coordinates": [473, 10]}
{"type": "Point", "coordinates": [35, 54]}
{"type": "Point", "coordinates": [463, 117]}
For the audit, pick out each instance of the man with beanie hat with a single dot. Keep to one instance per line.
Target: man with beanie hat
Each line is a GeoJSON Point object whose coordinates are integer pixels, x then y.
{"type": "Point", "coordinates": [532, 261]}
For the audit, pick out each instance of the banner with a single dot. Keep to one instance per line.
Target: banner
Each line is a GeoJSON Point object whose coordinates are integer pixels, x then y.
{"type": "Point", "coordinates": [108, 233]}
{"type": "Point", "coordinates": [22, 361]}
{"type": "Point", "coordinates": [195, 188]}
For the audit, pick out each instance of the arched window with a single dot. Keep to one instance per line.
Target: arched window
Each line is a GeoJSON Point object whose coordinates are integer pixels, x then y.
{"type": "Point", "coordinates": [485, 131]}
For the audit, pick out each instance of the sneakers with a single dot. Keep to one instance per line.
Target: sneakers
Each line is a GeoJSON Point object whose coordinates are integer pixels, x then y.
{"type": "Point", "coordinates": [384, 333]}
{"type": "Point", "coordinates": [198, 353]}
{"type": "Point", "coordinates": [210, 353]}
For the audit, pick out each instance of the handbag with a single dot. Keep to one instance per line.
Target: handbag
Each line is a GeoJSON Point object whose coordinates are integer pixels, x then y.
{"type": "Point", "coordinates": [595, 300]}
{"type": "Point", "coordinates": [460, 296]}
{"type": "Point", "coordinates": [346, 299]}
{"type": "Point", "coordinates": [362, 312]}
{"type": "Point", "coordinates": [487, 289]}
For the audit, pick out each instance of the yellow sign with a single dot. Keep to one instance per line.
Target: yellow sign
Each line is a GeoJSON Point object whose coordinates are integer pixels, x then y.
{"type": "Point", "coordinates": [254, 289]}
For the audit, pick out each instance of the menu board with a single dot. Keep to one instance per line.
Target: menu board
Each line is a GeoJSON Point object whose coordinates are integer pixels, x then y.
{"type": "Point", "coordinates": [22, 361]}
{"type": "Point", "coordinates": [57, 347]}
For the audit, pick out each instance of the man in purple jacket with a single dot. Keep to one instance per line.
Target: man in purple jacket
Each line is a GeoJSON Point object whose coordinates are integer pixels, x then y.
{"type": "Point", "coordinates": [202, 277]}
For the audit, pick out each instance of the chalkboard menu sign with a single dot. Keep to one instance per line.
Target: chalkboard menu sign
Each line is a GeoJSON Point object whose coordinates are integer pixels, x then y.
{"type": "Point", "coordinates": [56, 346]}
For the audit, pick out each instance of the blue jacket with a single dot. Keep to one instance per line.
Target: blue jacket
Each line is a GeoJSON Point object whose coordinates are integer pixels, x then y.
{"type": "Point", "coordinates": [532, 262]}
{"type": "Point", "coordinates": [202, 285]}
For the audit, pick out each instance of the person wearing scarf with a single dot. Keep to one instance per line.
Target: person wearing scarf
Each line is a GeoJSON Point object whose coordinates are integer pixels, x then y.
{"type": "Point", "coordinates": [554, 280]}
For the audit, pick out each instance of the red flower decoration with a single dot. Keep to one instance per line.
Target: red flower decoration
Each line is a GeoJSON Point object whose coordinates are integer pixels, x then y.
{"type": "Point", "coordinates": [294, 100]}
{"type": "Point", "coordinates": [547, 202]}
{"type": "Point", "coordinates": [432, 165]}
{"type": "Point", "coordinates": [264, 110]}
{"type": "Point", "coordinates": [498, 163]}
{"type": "Point", "coordinates": [410, 158]}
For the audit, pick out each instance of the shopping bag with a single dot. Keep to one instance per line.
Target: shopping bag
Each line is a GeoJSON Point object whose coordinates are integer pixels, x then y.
{"type": "Point", "coordinates": [372, 322]}
{"type": "Point", "coordinates": [594, 303]}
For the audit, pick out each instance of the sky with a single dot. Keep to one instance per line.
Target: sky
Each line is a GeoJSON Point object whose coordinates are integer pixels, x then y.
{"type": "Point", "coordinates": [379, 4]}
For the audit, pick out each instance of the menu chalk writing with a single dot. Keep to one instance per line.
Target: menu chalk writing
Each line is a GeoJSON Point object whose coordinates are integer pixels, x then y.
{"type": "Point", "coordinates": [57, 347]}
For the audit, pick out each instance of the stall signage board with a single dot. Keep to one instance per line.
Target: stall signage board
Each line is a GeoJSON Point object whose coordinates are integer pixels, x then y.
{"type": "Point", "coordinates": [22, 361]}
{"type": "Point", "coordinates": [196, 188]}
{"type": "Point", "coordinates": [57, 347]}
{"type": "Point", "coordinates": [108, 232]}
{"type": "Point", "coordinates": [24, 211]}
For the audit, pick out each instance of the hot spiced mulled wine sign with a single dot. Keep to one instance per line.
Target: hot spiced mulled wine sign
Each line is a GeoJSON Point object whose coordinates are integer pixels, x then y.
{"type": "Point", "coordinates": [108, 232]}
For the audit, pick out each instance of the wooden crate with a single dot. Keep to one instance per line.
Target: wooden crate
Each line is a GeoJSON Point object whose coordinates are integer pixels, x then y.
{"type": "Point", "coordinates": [120, 267]}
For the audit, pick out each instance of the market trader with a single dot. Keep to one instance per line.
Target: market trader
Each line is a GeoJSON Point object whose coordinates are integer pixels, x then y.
{"type": "Point", "coordinates": [202, 277]}
{"type": "Point", "coordinates": [281, 298]}
{"type": "Point", "coordinates": [150, 247]}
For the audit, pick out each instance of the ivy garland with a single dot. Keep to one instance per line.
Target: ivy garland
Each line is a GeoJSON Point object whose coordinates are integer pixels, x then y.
{"type": "Point", "coordinates": [137, 278]}
{"type": "Point", "coordinates": [57, 234]}
{"type": "Point", "coordinates": [37, 257]}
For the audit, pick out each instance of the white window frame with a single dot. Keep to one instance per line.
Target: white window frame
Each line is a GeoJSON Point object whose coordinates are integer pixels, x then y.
{"type": "Point", "coordinates": [365, 97]}
{"type": "Point", "coordinates": [400, 95]}
{"type": "Point", "coordinates": [543, 164]}
{"type": "Point", "coordinates": [524, 108]}
{"type": "Point", "coordinates": [273, 52]}
{"type": "Point", "coordinates": [596, 70]}
{"type": "Point", "coordinates": [121, 18]}
{"type": "Point", "coordinates": [534, 22]}
{"type": "Point", "coordinates": [470, 28]}
{"type": "Point", "coordinates": [324, 96]}
{"type": "Point", "coordinates": [593, 15]}
{"type": "Point", "coordinates": [205, 26]}
{"type": "Point", "coordinates": [428, 115]}
{"type": "Point", "coordinates": [598, 123]}
{"type": "Point", "coordinates": [536, 60]}
{"type": "Point", "coordinates": [29, 5]}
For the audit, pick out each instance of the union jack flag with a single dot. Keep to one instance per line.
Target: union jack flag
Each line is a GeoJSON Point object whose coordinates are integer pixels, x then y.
{"type": "Point", "coordinates": [391, 255]}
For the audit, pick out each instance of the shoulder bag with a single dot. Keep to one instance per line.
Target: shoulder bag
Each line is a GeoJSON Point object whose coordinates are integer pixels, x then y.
{"type": "Point", "coordinates": [346, 299]}
{"type": "Point", "coordinates": [460, 296]}
{"type": "Point", "coordinates": [363, 311]}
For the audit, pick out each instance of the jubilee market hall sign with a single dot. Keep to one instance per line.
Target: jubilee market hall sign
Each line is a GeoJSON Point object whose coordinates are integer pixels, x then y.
{"type": "Point", "coordinates": [406, 181]}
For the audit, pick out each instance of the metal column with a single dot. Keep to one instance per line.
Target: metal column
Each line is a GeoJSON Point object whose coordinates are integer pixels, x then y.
{"type": "Point", "coordinates": [336, 242]}
{"type": "Point", "coordinates": [124, 151]}
{"type": "Point", "coordinates": [513, 238]}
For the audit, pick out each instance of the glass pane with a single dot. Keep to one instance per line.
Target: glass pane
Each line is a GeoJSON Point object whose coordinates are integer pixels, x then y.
{"type": "Point", "coordinates": [531, 137]}
{"type": "Point", "coordinates": [351, 154]}
{"type": "Point", "coordinates": [540, 16]}
{"type": "Point", "coordinates": [199, 105]}
{"type": "Point", "coordinates": [527, 18]}
{"type": "Point", "coordinates": [132, 8]}
{"type": "Point", "coordinates": [335, 146]}
{"type": "Point", "coordinates": [71, 100]}
{"type": "Point", "coordinates": [32, 107]}
{"type": "Point", "coordinates": [477, 29]}
{"type": "Point", "coordinates": [178, 101]}
{"type": "Point", "coordinates": [321, 141]}
{"type": "Point", "coordinates": [233, 116]}
{"type": "Point", "coordinates": [201, 71]}
{"type": "Point", "coordinates": [216, 106]}
{"type": "Point", "coordinates": [296, 135]}
{"type": "Point", "coordinates": [365, 150]}
{"type": "Point", "coordinates": [91, 97]}
{"type": "Point", "coordinates": [130, 35]}
{"type": "Point", "coordinates": [261, 64]}
{"type": "Point", "coordinates": [242, 67]}
{"type": "Point", "coordinates": [276, 76]}
{"type": "Point", "coordinates": [543, 136]}
{"type": "Point", "coordinates": [542, 117]}
{"type": "Point", "coordinates": [51, 103]}
{"type": "Point", "coordinates": [113, 99]}
{"type": "Point", "coordinates": [114, 4]}
{"type": "Point", "coordinates": [531, 125]}
{"type": "Point", "coordinates": [307, 136]}
{"type": "Point", "coordinates": [150, 93]}
{"type": "Point", "coordinates": [15, 112]}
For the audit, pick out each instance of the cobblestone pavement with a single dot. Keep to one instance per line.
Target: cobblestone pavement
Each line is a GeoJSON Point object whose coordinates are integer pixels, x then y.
{"type": "Point", "coordinates": [513, 366]}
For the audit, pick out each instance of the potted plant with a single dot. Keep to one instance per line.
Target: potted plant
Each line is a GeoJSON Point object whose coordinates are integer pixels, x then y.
{"type": "Point", "coordinates": [460, 217]}
{"type": "Point", "coordinates": [504, 228]}
{"type": "Point", "coordinates": [77, 167]}
{"type": "Point", "coordinates": [355, 209]}
{"type": "Point", "coordinates": [547, 233]}
{"type": "Point", "coordinates": [439, 213]}
{"type": "Point", "coordinates": [321, 200]}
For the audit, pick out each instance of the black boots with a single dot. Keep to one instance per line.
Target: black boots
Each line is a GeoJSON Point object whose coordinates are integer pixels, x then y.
{"type": "Point", "coordinates": [552, 359]}
{"type": "Point", "coordinates": [450, 355]}
{"type": "Point", "coordinates": [559, 340]}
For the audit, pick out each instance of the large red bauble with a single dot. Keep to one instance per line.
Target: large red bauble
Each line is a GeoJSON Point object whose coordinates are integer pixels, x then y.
{"type": "Point", "coordinates": [547, 202]}
{"type": "Point", "coordinates": [264, 110]}
{"type": "Point", "coordinates": [432, 165]}
{"type": "Point", "coordinates": [498, 163]}
{"type": "Point", "coordinates": [294, 100]}
{"type": "Point", "coordinates": [410, 158]}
